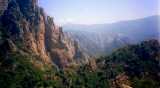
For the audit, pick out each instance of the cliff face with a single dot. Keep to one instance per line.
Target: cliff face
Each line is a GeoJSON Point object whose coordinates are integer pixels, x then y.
{"type": "Point", "coordinates": [27, 24]}
{"type": "Point", "coordinates": [100, 39]}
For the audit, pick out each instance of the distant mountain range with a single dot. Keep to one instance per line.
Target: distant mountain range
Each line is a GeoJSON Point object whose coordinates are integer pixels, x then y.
{"type": "Point", "coordinates": [36, 53]}
{"type": "Point", "coordinates": [98, 39]}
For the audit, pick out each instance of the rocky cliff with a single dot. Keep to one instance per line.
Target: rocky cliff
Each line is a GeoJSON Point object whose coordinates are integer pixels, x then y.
{"type": "Point", "coordinates": [31, 30]}
{"type": "Point", "coordinates": [99, 39]}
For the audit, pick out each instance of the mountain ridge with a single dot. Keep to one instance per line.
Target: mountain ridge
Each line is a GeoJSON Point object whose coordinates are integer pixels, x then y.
{"type": "Point", "coordinates": [104, 37]}
{"type": "Point", "coordinates": [122, 21]}
{"type": "Point", "coordinates": [26, 23]}
{"type": "Point", "coordinates": [36, 53]}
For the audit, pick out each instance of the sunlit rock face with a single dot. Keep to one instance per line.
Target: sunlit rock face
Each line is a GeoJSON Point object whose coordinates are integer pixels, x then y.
{"type": "Point", "coordinates": [28, 24]}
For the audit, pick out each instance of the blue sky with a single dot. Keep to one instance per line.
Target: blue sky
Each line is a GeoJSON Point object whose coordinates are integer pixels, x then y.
{"type": "Point", "coordinates": [98, 11]}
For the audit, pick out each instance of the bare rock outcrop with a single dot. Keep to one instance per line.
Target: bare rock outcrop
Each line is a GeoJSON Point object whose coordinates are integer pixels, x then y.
{"type": "Point", "coordinates": [27, 24]}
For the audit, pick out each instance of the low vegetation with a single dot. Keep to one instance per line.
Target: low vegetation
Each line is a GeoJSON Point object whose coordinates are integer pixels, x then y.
{"type": "Point", "coordinates": [136, 66]}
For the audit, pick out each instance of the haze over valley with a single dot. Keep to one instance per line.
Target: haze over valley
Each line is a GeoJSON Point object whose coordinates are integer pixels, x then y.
{"type": "Point", "coordinates": [79, 44]}
{"type": "Point", "coordinates": [99, 39]}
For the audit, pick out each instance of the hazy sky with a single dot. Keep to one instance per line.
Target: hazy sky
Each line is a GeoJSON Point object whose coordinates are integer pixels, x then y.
{"type": "Point", "coordinates": [98, 11]}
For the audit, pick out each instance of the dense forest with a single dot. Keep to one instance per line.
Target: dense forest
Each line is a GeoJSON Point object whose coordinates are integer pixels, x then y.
{"type": "Point", "coordinates": [36, 53]}
{"type": "Point", "coordinates": [134, 66]}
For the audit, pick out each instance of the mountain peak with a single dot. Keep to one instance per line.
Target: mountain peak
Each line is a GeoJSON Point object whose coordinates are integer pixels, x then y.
{"type": "Point", "coordinates": [26, 23]}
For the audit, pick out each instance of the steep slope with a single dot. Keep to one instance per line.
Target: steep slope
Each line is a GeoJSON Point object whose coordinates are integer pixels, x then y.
{"type": "Point", "coordinates": [28, 27]}
{"type": "Point", "coordinates": [137, 63]}
{"type": "Point", "coordinates": [29, 39]}
{"type": "Point", "coordinates": [102, 38]}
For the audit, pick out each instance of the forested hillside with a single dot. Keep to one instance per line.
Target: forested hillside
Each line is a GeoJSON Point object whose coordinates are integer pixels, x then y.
{"type": "Point", "coordinates": [97, 39]}
{"type": "Point", "coordinates": [134, 66]}
{"type": "Point", "coordinates": [36, 53]}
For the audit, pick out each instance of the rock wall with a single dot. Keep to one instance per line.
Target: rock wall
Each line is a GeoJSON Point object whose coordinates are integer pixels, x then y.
{"type": "Point", "coordinates": [27, 24]}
